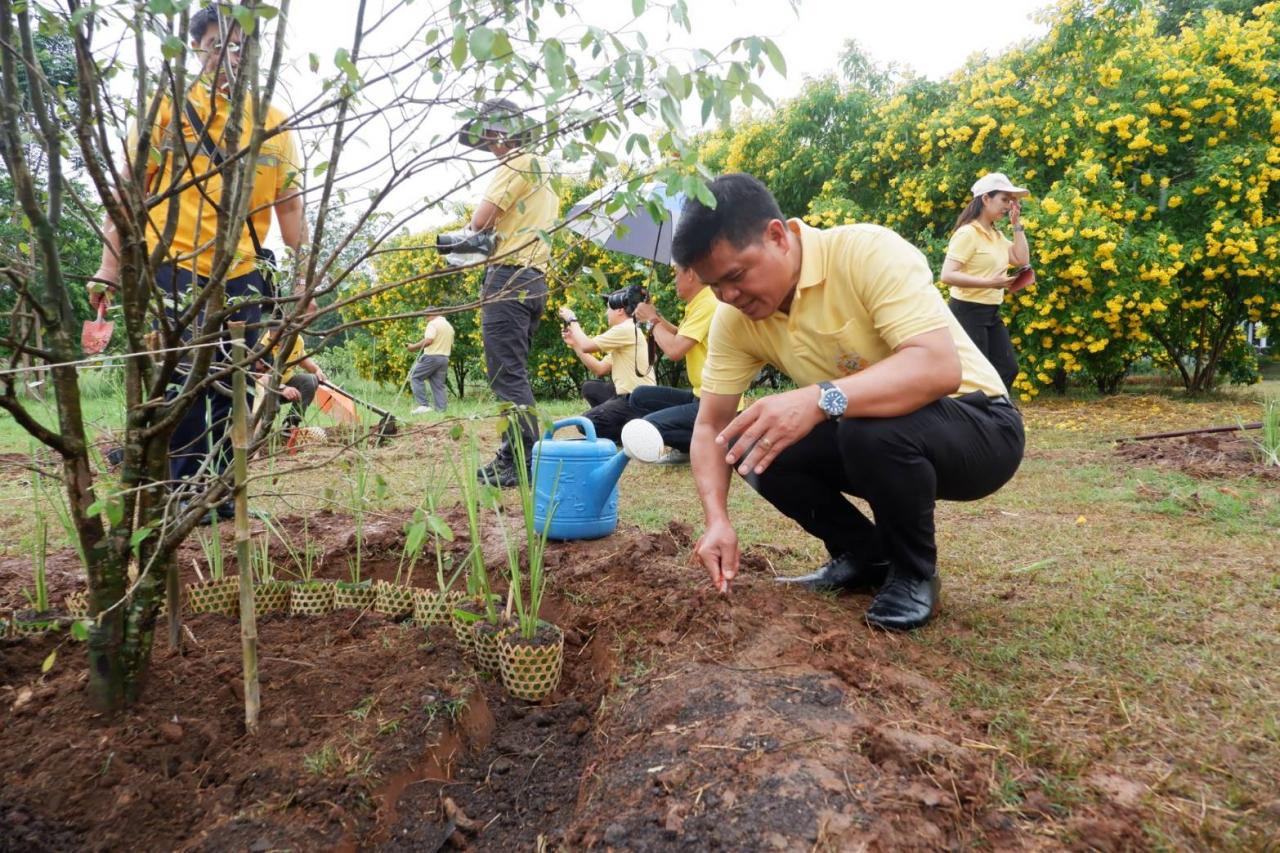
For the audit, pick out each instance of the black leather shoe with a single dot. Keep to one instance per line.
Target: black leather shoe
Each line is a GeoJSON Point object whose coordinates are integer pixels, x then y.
{"type": "Point", "coordinates": [904, 602]}
{"type": "Point", "coordinates": [500, 472]}
{"type": "Point", "coordinates": [843, 573]}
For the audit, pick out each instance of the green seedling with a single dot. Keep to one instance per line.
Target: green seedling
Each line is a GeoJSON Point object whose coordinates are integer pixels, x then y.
{"type": "Point", "coordinates": [527, 605]}
{"type": "Point", "coordinates": [214, 559]}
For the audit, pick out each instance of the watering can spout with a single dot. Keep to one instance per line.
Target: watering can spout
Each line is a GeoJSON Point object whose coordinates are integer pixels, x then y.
{"type": "Point", "coordinates": [604, 478]}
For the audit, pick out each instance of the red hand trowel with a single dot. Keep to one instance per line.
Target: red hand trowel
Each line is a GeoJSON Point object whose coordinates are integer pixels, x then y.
{"type": "Point", "coordinates": [96, 334]}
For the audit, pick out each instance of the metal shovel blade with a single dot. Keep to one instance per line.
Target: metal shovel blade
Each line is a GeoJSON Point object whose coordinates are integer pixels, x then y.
{"type": "Point", "coordinates": [96, 334]}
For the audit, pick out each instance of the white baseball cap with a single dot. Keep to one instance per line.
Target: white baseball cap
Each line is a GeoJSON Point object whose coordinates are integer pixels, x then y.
{"type": "Point", "coordinates": [996, 182]}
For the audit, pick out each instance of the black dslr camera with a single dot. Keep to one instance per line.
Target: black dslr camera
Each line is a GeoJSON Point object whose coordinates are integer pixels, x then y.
{"type": "Point", "coordinates": [627, 298]}
{"type": "Point", "coordinates": [477, 244]}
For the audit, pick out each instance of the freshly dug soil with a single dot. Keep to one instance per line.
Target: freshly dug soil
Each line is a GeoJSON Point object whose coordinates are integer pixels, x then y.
{"type": "Point", "coordinates": [1222, 455]}
{"type": "Point", "coordinates": [684, 720]}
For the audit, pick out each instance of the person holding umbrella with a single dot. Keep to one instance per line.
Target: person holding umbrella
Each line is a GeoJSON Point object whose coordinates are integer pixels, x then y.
{"type": "Point", "coordinates": [519, 203]}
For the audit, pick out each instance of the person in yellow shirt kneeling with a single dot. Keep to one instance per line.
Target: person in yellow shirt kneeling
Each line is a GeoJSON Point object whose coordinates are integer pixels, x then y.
{"type": "Point", "coordinates": [893, 404]}
{"type": "Point", "coordinates": [625, 360]}
{"type": "Point", "coordinates": [672, 411]}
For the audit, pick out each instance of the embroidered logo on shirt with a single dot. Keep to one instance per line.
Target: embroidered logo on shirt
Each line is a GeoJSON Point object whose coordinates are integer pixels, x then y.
{"type": "Point", "coordinates": [851, 362]}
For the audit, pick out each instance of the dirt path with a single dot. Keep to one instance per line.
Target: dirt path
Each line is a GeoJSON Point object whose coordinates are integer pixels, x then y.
{"type": "Point", "coordinates": [773, 720]}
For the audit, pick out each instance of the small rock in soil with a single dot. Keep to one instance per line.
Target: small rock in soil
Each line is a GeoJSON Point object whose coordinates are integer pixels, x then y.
{"type": "Point", "coordinates": [171, 732]}
{"type": "Point", "coordinates": [502, 765]}
{"type": "Point", "coordinates": [579, 726]}
{"type": "Point", "coordinates": [615, 834]}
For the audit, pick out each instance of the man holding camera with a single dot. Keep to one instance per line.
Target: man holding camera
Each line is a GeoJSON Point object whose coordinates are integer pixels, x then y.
{"type": "Point", "coordinates": [673, 411]}
{"type": "Point", "coordinates": [519, 203]}
{"type": "Point", "coordinates": [625, 361]}
{"type": "Point", "coordinates": [893, 403]}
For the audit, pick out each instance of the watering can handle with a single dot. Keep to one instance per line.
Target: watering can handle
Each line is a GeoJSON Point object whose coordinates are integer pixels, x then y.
{"type": "Point", "coordinates": [587, 427]}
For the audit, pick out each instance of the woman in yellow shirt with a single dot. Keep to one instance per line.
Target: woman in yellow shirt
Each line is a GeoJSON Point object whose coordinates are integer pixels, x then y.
{"type": "Point", "coordinates": [977, 268]}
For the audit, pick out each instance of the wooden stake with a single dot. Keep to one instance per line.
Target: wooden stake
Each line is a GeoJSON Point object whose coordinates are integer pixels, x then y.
{"type": "Point", "coordinates": [240, 449]}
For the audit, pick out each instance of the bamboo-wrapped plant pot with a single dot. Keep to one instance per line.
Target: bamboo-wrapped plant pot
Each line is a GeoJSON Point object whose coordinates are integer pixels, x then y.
{"type": "Point", "coordinates": [77, 604]}
{"type": "Point", "coordinates": [432, 608]}
{"type": "Point", "coordinates": [311, 598]}
{"type": "Point", "coordinates": [29, 623]}
{"type": "Point", "coordinates": [531, 668]}
{"type": "Point", "coordinates": [271, 597]}
{"type": "Point", "coordinates": [393, 600]}
{"type": "Point", "coordinates": [215, 596]}
{"type": "Point", "coordinates": [353, 596]}
{"type": "Point", "coordinates": [485, 637]}
{"type": "Point", "coordinates": [465, 614]}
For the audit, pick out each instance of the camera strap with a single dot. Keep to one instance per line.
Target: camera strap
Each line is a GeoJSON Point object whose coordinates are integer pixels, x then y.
{"type": "Point", "coordinates": [215, 156]}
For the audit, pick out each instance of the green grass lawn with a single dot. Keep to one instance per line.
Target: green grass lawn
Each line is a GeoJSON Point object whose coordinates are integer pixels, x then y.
{"type": "Point", "coordinates": [1109, 619]}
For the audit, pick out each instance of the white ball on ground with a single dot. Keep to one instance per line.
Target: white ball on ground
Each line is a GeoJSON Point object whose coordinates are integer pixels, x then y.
{"type": "Point", "coordinates": [642, 441]}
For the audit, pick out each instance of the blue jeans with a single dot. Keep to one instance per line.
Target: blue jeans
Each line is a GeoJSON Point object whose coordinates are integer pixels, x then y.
{"type": "Point", "coordinates": [672, 410]}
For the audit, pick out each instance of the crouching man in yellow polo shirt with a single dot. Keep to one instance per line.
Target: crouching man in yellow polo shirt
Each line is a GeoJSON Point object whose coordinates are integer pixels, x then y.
{"type": "Point", "coordinates": [894, 403]}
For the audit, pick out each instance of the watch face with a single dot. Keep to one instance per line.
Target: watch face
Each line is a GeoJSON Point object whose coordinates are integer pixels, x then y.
{"type": "Point", "coordinates": [833, 402]}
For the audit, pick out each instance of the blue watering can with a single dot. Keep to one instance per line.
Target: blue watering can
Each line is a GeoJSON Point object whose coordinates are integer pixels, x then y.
{"type": "Point", "coordinates": [575, 483]}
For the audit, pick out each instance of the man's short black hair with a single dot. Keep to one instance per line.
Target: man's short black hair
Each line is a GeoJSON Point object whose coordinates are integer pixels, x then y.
{"type": "Point", "coordinates": [744, 206]}
{"type": "Point", "coordinates": [202, 20]}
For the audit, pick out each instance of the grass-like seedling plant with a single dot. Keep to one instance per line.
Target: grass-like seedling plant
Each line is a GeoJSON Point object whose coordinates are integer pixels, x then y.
{"type": "Point", "coordinates": [527, 606]}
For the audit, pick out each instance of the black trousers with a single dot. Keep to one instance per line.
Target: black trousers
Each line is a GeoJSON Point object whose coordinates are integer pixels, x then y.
{"type": "Point", "coordinates": [609, 410]}
{"type": "Point", "coordinates": [989, 333]}
{"type": "Point", "coordinates": [203, 429]}
{"type": "Point", "coordinates": [672, 410]}
{"type": "Point", "coordinates": [958, 449]}
{"type": "Point", "coordinates": [514, 300]}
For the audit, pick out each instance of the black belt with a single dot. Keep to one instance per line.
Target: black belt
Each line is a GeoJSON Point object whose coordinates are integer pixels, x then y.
{"type": "Point", "coordinates": [515, 267]}
{"type": "Point", "coordinates": [1002, 400]}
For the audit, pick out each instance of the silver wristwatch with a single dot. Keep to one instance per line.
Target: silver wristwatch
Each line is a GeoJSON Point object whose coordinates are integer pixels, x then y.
{"type": "Point", "coordinates": [831, 400]}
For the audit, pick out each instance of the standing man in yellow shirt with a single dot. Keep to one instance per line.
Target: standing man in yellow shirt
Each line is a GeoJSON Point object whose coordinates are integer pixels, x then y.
{"type": "Point", "coordinates": [433, 365]}
{"type": "Point", "coordinates": [977, 268]}
{"type": "Point", "coordinates": [673, 411]}
{"type": "Point", "coordinates": [216, 39]}
{"type": "Point", "coordinates": [519, 203]}
{"type": "Point", "coordinates": [894, 403]}
{"type": "Point", "coordinates": [625, 361]}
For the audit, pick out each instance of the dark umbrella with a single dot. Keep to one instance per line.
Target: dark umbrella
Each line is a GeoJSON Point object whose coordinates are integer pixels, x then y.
{"type": "Point", "coordinates": [630, 232]}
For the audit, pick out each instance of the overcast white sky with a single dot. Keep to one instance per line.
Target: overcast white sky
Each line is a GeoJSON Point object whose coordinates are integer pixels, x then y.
{"type": "Point", "coordinates": [934, 37]}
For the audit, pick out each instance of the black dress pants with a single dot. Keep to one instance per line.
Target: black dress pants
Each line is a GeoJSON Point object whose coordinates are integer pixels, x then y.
{"type": "Point", "coordinates": [988, 332]}
{"type": "Point", "coordinates": [958, 449]}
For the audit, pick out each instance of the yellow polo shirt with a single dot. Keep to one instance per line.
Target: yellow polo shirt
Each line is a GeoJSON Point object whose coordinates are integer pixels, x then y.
{"type": "Point", "coordinates": [290, 364]}
{"type": "Point", "coordinates": [626, 352]}
{"type": "Point", "coordinates": [529, 204]}
{"type": "Point", "coordinates": [442, 340]}
{"type": "Point", "coordinates": [983, 252]}
{"type": "Point", "coordinates": [277, 173]}
{"type": "Point", "coordinates": [695, 326]}
{"type": "Point", "coordinates": [862, 292]}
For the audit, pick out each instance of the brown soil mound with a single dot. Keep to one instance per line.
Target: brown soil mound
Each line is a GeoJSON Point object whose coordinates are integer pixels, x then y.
{"type": "Point", "coordinates": [769, 720]}
{"type": "Point", "coordinates": [1223, 455]}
